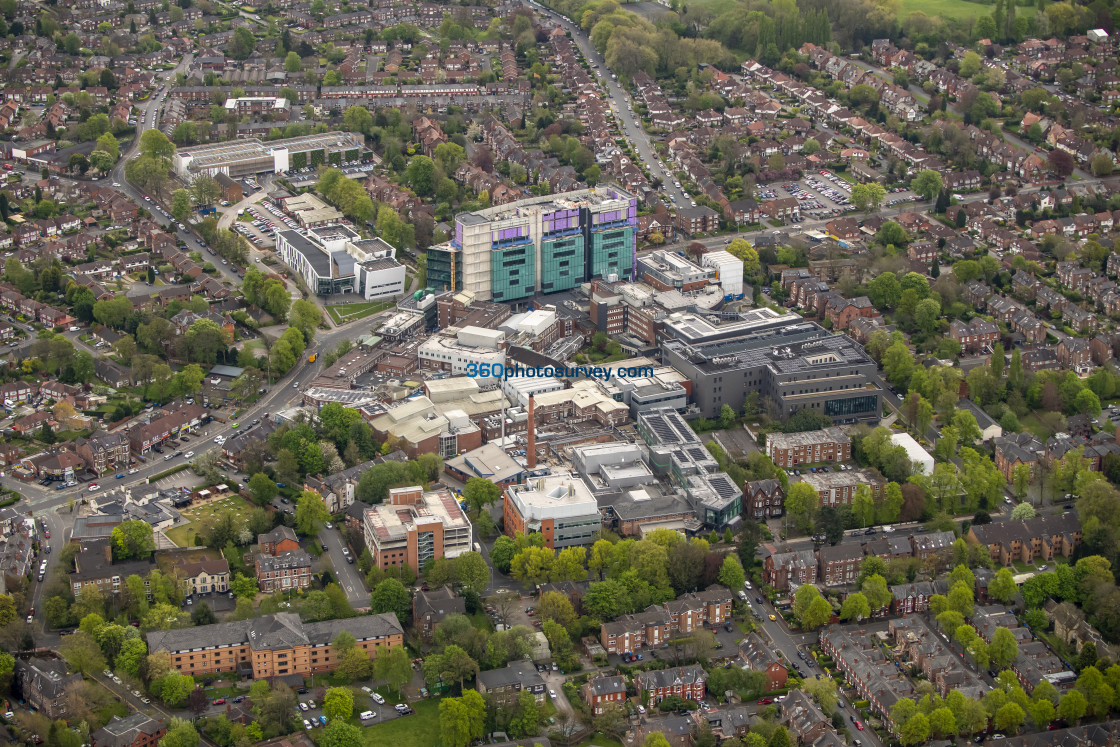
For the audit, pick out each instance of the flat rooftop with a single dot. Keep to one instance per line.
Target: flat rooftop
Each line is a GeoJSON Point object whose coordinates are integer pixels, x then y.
{"type": "Point", "coordinates": [390, 522]}
{"type": "Point", "coordinates": [605, 196]}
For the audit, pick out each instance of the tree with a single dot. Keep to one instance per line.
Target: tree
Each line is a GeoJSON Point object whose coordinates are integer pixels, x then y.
{"type": "Point", "coordinates": [180, 733]}
{"type": "Point", "coordinates": [262, 488]}
{"type": "Point", "coordinates": [133, 539]}
{"type": "Point", "coordinates": [174, 688]}
{"type": "Point", "coordinates": [823, 690]}
{"type": "Point", "coordinates": [554, 605]}
{"type": "Point", "coordinates": [338, 703]}
{"type": "Point", "coordinates": [292, 63]}
{"type": "Point", "coordinates": [810, 608]}
{"type": "Point", "coordinates": [82, 653]}
{"type": "Point", "coordinates": [154, 144]}
{"type": "Point", "coordinates": [533, 565]}
{"type": "Point", "coordinates": [801, 502]}
{"type": "Point", "coordinates": [393, 666]}
{"type": "Point", "coordinates": [1060, 162]}
{"type": "Point", "coordinates": [421, 175]}
{"type": "Point", "coordinates": [311, 513]}
{"type": "Point", "coordinates": [340, 734]}
{"type": "Point", "coordinates": [742, 249]}
{"type": "Point", "coordinates": [1003, 587]}
{"type": "Point", "coordinates": [868, 197]}
{"type": "Point", "coordinates": [391, 596]}
{"type": "Point", "coordinates": [180, 204]}
{"type": "Point", "coordinates": [915, 730]}
{"type": "Point", "coordinates": [1072, 706]}
{"type": "Point", "coordinates": [1102, 164]}
{"type": "Point", "coordinates": [1003, 649]}
{"type": "Point", "coordinates": [731, 573]}
{"type": "Point", "coordinates": [855, 607]}
{"type": "Point", "coordinates": [1010, 717]}
{"type": "Point", "coordinates": [875, 590]}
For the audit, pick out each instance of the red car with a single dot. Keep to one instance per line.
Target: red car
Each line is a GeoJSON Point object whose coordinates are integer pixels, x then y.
{"type": "Point", "coordinates": [47, 533]}
{"type": "Point", "coordinates": [859, 726]}
{"type": "Point", "coordinates": [222, 701]}
{"type": "Point", "coordinates": [765, 701]}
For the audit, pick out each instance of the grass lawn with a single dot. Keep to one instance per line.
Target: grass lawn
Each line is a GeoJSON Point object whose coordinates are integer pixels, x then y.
{"type": "Point", "coordinates": [183, 535]}
{"type": "Point", "coordinates": [599, 739]}
{"type": "Point", "coordinates": [958, 10]}
{"type": "Point", "coordinates": [348, 312]}
{"type": "Point", "coordinates": [421, 729]}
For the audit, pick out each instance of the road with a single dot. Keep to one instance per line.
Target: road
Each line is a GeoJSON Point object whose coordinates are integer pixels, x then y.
{"type": "Point", "coordinates": [631, 124]}
{"type": "Point", "coordinates": [346, 573]}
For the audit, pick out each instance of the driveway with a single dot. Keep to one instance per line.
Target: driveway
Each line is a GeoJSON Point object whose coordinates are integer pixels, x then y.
{"type": "Point", "coordinates": [347, 574]}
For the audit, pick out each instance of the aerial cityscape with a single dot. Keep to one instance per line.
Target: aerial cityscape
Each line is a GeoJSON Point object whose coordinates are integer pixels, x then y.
{"type": "Point", "coordinates": [559, 374]}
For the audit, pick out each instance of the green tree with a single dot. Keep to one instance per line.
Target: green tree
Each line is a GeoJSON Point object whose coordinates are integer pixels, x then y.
{"type": "Point", "coordinates": [927, 184]}
{"type": "Point", "coordinates": [292, 63]}
{"type": "Point", "coordinates": [133, 539]}
{"type": "Point", "coordinates": [868, 197]}
{"type": "Point", "coordinates": [311, 513]}
{"type": "Point", "coordinates": [731, 573]}
{"type": "Point", "coordinates": [801, 502]}
{"type": "Point", "coordinates": [262, 488]}
{"type": "Point", "coordinates": [421, 175]}
{"type": "Point", "coordinates": [391, 596]}
{"type": "Point", "coordinates": [393, 666]}
{"type": "Point", "coordinates": [338, 703]}
{"type": "Point", "coordinates": [855, 607]}
{"type": "Point", "coordinates": [480, 493]}
{"type": "Point", "coordinates": [1003, 649]}
{"type": "Point", "coordinates": [180, 733]}
{"type": "Point", "coordinates": [811, 609]}
{"type": "Point", "coordinates": [340, 734]}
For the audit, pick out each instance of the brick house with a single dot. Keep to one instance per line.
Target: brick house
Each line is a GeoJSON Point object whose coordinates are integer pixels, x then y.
{"type": "Point", "coordinates": [103, 452]}
{"type": "Point", "coordinates": [779, 569]}
{"type": "Point", "coordinates": [281, 539]}
{"type": "Point", "coordinates": [601, 691]}
{"type": "Point", "coordinates": [135, 730]}
{"type": "Point", "coordinates": [764, 498]}
{"type": "Point", "coordinates": [758, 655]}
{"type": "Point", "coordinates": [974, 336]}
{"type": "Point", "coordinates": [839, 563]}
{"type": "Point", "coordinates": [290, 569]}
{"type": "Point", "coordinates": [504, 686]}
{"type": "Point", "coordinates": [687, 682]}
{"type": "Point", "coordinates": [429, 608]}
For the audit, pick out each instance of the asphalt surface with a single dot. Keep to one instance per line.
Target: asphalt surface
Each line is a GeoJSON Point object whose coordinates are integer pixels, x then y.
{"type": "Point", "coordinates": [347, 574]}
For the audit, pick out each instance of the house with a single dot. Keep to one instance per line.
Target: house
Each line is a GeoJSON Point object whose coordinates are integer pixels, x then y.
{"type": "Point", "coordinates": [290, 569]}
{"type": "Point", "coordinates": [429, 608]}
{"type": "Point", "coordinates": [281, 539]}
{"type": "Point", "coordinates": [975, 336]}
{"type": "Point", "coordinates": [763, 498]}
{"type": "Point", "coordinates": [989, 428]}
{"type": "Point", "coordinates": [788, 450]}
{"type": "Point", "coordinates": [204, 576]}
{"type": "Point", "coordinates": [136, 730]}
{"type": "Point", "coordinates": [687, 682]}
{"type": "Point", "coordinates": [932, 545]}
{"type": "Point", "coordinates": [504, 686]}
{"type": "Point", "coordinates": [231, 190]}
{"type": "Point", "coordinates": [839, 563]}
{"type": "Point", "coordinates": [758, 655]}
{"type": "Point", "coordinates": [780, 569]}
{"type": "Point", "coordinates": [1074, 354]}
{"type": "Point", "coordinates": [43, 682]}
{"type": "Point", "coordinates": [103, 452]}
{"type": "Point", "coordinates": [696, 220]}
{"type": "Point", "coordinates": [804, 718]}
{"type": "Point", "coordinates": [1015, 449]}
{"type": "Point", "coordinates": [1042, 537]}
{"type": "Point", "coordinates": [604, 690]}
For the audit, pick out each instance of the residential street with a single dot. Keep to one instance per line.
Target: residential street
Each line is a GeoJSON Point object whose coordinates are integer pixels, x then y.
{"type": "Point", "coordinates": [346, 573]}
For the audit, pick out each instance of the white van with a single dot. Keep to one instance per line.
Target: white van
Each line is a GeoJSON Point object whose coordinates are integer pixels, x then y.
{"type": "Point", "coordinates": [377, 698]}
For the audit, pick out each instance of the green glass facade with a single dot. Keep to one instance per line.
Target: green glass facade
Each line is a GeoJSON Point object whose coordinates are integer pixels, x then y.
{"type": "Point", "coordinates": [440, 263]}
{"type": "Point", "coordinates": [612, 251]}
{"type": "Point", "coordinates": [562, 263]}
{"type": "Point", "coordinates": [512, 271]}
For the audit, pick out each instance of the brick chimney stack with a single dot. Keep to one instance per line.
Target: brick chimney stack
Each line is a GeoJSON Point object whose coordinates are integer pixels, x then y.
{"type": "Point", "coordinates": [531, 446]}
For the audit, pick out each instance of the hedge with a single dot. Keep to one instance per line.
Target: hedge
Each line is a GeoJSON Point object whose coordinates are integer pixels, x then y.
{"type": "Point", "coordinates": [168, 473]}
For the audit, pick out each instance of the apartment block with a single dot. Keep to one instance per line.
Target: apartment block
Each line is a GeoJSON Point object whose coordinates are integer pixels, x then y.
{"type": "Point", "coordinates": [414, 527]}
{"type": "Point", "coordinates": [272, 645]}
{"type": "Point", "coordinates": [787, 450]}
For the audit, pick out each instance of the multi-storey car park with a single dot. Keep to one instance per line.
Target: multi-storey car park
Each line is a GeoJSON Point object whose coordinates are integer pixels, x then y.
{"type": "Point", "coordinates": [539, 245]}
{"type": "Point", "coordinates": [251, 156]}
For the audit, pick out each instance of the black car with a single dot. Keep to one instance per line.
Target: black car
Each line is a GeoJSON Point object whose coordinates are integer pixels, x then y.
{"type": "Point", "coordinates": [302, 691]}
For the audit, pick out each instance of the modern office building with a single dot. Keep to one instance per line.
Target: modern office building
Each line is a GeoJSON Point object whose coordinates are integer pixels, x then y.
{"type": "Point", "coordinates": [251, 156]}
{"type": "Point", "coordinates": [272, 645]}
{"type": "Point", "coordinates": [334, 259]}
{"type": "Point", "coordinates": [793, 363]}
{"type": "Point", "coordinates": [539, 245]}
{"type": "Point", "coordinates": [415, 527]}
{"type": "Point", "coordinates": [676, 452]}
{"type": "Point", "coordinates": [558, 505]}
